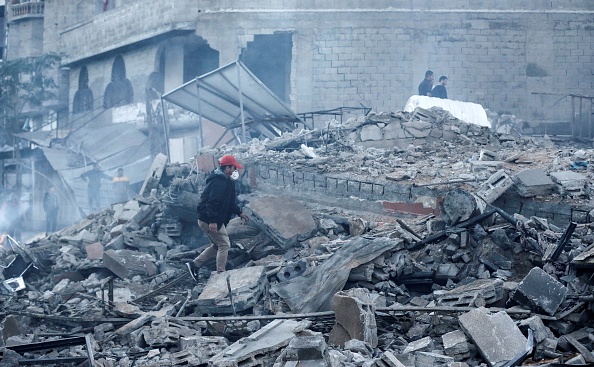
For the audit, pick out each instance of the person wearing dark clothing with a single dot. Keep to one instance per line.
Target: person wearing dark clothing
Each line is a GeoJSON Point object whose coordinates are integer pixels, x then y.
{"type": "Point", "coordinates": [218, 204]}
{"type": "Point", "coordinates": [94, 177]}
{"type": "Point", "coordinates": [12, 212]}
{"type": "Point", "coordinates": [121, 187]}
{"type": "Point", "coordinates": [51, 206]}
{"type": "Point", "coordinates": [427, 84]}
{"type": "Point", "coordinates": [439, 91]}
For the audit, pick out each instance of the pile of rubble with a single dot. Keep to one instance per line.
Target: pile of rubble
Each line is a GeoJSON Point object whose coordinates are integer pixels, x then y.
{"type": "Point", "coordinates": [312, 285]}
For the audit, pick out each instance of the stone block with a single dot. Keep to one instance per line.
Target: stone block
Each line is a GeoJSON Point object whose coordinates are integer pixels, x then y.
{"type": "Point", "coordinates": [496, 336]}
{"type": "Point", "coordinates": [126, 264]}
{"type": "Point", "coordinates": [355, 317]}
{"type": "Point", "coordinates": [540, 292]}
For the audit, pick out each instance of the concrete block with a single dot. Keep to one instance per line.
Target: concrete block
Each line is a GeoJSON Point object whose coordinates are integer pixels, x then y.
{"type": "Point", "coordinates": [496, 336]}
{"type": "Point", "coordinates": [540, 292]}
{"type": "Point", "coordinates": [497, 184]}
{"type": "Point", "coordinates": [306, 348]}
{"type": "Point", "coordinates": [126, 264]}
{"type": "Point", "coordinates": [533, 182]}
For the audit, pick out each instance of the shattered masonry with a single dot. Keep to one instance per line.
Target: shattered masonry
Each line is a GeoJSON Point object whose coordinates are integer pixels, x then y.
{"type": "Point", "coordinates": [403, 239]}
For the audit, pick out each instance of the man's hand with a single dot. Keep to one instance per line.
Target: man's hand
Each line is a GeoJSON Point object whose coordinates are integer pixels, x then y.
{"type": "Point", "coordinates": [245, 217]}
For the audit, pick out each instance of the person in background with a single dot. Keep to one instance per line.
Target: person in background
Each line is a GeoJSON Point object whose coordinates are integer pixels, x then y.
{"type": "Point", "coordinates": [94, 177]}
{"type": "Point", "coordinates": [121, 186]}
{"type": "Point", "coordinates": [439, 91]}
{"type": "Point", "coordinates": [427, 84]}
{"type": "Point", "coordinates": [12, 215]}
{"type": "Point", "coordinates": [51, 206]}
{"type": "Point", "coordinates": [218, 203]}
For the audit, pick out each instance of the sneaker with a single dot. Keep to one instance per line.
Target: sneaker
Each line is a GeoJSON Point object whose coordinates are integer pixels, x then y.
{"type": "Point", "coordinates": [193, 270]}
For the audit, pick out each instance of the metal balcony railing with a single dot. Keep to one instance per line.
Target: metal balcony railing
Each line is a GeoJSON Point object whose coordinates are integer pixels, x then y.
{"type": "Point", "coordinates": [30, 9]}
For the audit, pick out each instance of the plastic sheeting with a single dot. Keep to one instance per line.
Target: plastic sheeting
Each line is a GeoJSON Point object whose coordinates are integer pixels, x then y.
{"type": "Point", "coordinates": [471, 113]}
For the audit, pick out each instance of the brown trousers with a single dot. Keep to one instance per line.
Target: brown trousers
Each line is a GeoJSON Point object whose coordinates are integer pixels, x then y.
{"type": "Point", "coordinates": [219, 248]}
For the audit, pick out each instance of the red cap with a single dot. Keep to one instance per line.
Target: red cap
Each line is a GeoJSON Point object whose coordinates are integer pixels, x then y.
{"type": "Point", "coordinates": [229, 160]}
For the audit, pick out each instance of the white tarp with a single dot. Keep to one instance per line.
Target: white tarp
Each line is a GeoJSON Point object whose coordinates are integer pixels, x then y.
{"type": "Point", "coordinates": [472, 113]}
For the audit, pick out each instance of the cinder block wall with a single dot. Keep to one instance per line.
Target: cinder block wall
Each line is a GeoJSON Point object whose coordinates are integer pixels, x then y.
{"type": "Point", "coordinates": [382, 197]}
{"type": "Point", "coordinates": [519, 57]}
{"type": "Point", "coordinates": [517, 61]}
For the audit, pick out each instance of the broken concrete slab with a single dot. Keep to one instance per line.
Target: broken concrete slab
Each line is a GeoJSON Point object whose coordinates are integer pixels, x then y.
{"type": "Point", "coordinates": [419, 345]}
{"type": "Point", "coordinates": [314, 291]}
{"type": "Point", "coordinates": [533, 182]}
{"type": "Point", "coordinates": [496, 336]}
{"type": "Point", "coordinates": [247, 286]}
{"type": "Point", "coordinates": [261, 348]}
{"type": "Point", "coordinates": [127, 263]}
{"type": "Point", "coordinates": [455, 344]}
{"type": "Point", "coordinates": [310, 348]}
{"type": "Point", "coordinates": [484, 290]}
{"type": "Point", "coordinates": [154, 175]}
{"type": "Point", "coordinates": [354, 316]}
{"type": "Point", "coordinates": [570, 183]}
{"type": "Point", "coordinates": [540, 292]}
{"type": "Point", "coordinates": [285, 220]}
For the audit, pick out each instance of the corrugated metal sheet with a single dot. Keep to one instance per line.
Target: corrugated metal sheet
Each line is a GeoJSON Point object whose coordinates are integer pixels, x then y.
{"type": "Point", "coordinates": [112, 146]}
{"type": "Point", "coordinates": [217, 96]}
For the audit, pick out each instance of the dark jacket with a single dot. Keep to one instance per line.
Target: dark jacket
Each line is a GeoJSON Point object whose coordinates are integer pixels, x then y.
{"type": "Point", "coordinates": [51, 203]}
{"type": "Point", "coordinates": [439, 91]}
{"type": "Point", "coordinates": [218, 201]}
{"type": "Point", "coordinates": [425, 87]}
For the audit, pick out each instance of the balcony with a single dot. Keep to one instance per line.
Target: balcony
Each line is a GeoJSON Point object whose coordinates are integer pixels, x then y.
{"type": "Point", "coordinates": [134, 22]}
{"type": "Point", "coordinates": [29, 9]}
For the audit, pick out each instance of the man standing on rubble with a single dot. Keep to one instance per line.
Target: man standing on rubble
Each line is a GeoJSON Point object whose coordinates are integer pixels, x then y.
{"type": "Point", "coordinates": [94, 177]}
{"type": "Point", "coordinates": [440, 91]}
{"type": "Point", "coordinates": [427, 84]}
{"type": "Point", "coordinates": [51, 206]}
{"type": "Point", "coordinates": [218, 203]}
{"type": "Point", "coordinates": [121, 186]}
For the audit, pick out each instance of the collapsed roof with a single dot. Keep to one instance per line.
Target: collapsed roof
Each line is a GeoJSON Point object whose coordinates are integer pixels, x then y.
{"type": "Point", "coordinates": [233, 97]}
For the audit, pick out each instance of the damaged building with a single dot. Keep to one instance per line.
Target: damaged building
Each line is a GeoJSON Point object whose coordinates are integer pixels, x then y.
{"type": "Point", "coordinates": [464, 251]}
